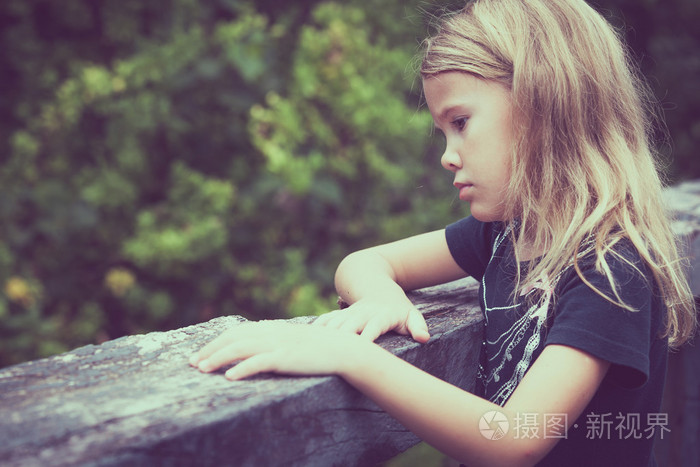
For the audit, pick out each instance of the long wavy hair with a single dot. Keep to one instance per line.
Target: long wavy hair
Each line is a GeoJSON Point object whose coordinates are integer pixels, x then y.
{"type": "Point", "coordinates": [583, 170]}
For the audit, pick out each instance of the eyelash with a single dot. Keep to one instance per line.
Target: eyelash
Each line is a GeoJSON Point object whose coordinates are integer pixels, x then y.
{"type": "Point", "coordinates": [460, 123]}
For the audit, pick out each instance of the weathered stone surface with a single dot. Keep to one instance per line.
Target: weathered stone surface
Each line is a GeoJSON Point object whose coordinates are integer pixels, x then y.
{"type": "Point", "coordinates": [682, 393]}
{"type": "Point", "coordinates": [684, 201]}
{"type": "Point", "coordinates": [136, 401]}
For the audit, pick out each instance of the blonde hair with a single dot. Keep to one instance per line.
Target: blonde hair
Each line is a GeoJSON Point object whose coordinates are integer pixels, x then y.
{"type": "Point", "coordinates": [582, 171]}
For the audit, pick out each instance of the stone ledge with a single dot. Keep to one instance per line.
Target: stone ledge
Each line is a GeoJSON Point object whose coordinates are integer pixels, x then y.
{"type": "Point", "coordinates": [135, 401]}
{"type": "Point", "coordinates": [684, 201]}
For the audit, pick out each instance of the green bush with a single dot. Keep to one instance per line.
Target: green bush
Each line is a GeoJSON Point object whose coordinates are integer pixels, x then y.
{"type": "Point", "coordinates": [169, 161]}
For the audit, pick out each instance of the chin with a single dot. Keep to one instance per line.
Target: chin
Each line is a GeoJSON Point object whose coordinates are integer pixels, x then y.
{"type": "Point", "coordinates": [487, 215]}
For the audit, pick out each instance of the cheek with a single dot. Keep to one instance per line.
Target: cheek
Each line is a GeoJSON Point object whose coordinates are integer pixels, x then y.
{"type": "Point", "coordinates": [505, 155]}
{"type": "Point", "coordinates": [499, 166]}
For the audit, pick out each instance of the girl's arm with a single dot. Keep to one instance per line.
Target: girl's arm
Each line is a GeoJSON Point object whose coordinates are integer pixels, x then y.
{"type": "Point", "coordinates": [560, 382]}
{"type": "Point", "coordinates": [411, 263]}
{"type": "Point", "coordinates": [374, 281]}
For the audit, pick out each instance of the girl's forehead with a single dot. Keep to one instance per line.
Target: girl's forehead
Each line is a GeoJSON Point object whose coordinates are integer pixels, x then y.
{"type": "Point", "coordinates": [461, 82]}
{"type": "Point", "coordinates": [449, 89]}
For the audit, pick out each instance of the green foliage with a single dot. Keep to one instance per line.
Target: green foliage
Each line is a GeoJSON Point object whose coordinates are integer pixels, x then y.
{"type": "Point", "coordinates": [169, 161]}
{"type": "Point", "coordinates": [186, 228]}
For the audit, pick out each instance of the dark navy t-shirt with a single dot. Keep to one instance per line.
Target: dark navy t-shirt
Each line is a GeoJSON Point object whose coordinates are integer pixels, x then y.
{"type": "Point", "coordinates": [619, 425]}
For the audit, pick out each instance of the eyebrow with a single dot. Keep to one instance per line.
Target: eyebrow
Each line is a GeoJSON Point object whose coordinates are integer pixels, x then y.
{"type": "Point", "coordinates": [447, 110]}
{"type": "Point", "coordinates": [450, 108]}
{"type": "Point", "coordinates": [443, 114]}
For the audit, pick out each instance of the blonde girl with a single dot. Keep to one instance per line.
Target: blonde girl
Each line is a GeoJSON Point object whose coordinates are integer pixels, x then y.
{"type": "Point", "coordinates": [548, 137]}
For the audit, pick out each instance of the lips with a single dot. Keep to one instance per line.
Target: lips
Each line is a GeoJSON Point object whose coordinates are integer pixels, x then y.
{"type": "Point", "coordinates": [464, 190]}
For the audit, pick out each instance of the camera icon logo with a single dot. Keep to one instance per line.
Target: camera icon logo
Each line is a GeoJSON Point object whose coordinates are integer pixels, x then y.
{"type": "Point", "coordinates": [493, 425]}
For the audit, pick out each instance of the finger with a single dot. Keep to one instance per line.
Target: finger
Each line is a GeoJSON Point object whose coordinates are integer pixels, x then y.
{"type": "Point", "coordinates": [261, 363]}
{"type": "Point", "coordinates": [229, 354]}
{"type": "Point", "coordinates": [417, 326]}
{"type": "Point", "coordinates": [352, 325]}
{"type": "Point", "coordinates": [373, 330]}
{"type": "Point", "coordinates": [218, 343]}
{"type": "Point", "coordinates": [324, 318]}
{"type": "Point", "coordinates": [337, 321]}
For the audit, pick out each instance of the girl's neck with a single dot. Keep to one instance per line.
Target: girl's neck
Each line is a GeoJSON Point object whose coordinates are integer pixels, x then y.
{"type": "Point", "coordinates": [527, 250]}
{"type": "Point", "coordinates": [526, 245]}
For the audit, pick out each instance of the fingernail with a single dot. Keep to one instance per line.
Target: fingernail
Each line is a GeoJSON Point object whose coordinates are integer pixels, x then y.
{"type": "Point", "coordinates": [204, 365]}
{"type": "Point", "coordinates": [193, 360]}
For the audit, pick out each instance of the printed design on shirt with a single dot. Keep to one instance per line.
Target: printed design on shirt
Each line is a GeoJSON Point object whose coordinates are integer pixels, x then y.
{"type": "Point", "coordinates": [522, 338]}
{"type": "Point", "coordinates": [496, 245]}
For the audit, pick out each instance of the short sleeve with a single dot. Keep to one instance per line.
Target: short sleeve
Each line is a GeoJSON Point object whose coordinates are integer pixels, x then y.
{"type": "Point", "coordinates": [470, 242]}
{"type": "Point", "coordinates": [587, 321]}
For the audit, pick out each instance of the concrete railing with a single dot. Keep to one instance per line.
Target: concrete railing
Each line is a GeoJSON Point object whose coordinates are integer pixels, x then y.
{"type": "Point", "coordinates": [680, 447]}
{"type": "Point", "coordinates": [135, 400]}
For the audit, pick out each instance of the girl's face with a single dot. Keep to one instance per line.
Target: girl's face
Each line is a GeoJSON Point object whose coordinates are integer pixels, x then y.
{"type": "Point", "coordinates": [475, 116]}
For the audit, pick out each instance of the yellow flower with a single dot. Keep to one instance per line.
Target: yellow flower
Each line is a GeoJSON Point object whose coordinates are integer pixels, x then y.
{"type": "Point", "coordinates": [119, 281]}
{"type": "Point", "coordinates": [19, 291]}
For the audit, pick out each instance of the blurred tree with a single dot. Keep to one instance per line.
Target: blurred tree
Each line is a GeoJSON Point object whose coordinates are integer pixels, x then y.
{"type": "Point", "coordinates": [168, 161]}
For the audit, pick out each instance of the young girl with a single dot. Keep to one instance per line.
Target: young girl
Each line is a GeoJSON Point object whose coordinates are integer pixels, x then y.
{"type": "Point", "coordinates": [547, 135]}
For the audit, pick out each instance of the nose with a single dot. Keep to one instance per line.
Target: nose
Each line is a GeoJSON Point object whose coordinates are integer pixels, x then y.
{"type": "Point", "coordinates": [450, 159]}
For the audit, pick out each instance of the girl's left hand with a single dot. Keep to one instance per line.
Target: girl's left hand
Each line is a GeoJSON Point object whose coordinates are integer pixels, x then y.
{"type": "Point", "coordinates": [279, 347]}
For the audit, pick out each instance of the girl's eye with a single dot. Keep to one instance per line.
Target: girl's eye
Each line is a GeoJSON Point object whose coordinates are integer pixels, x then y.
{"type": "Point", "coordinates": [459, 123]}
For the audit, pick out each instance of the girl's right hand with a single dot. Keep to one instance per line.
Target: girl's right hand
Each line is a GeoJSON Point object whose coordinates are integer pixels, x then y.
{"type": "Point", "coordinates": [371, 318]}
